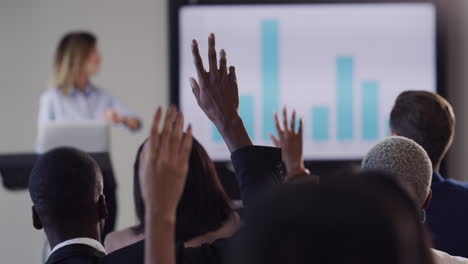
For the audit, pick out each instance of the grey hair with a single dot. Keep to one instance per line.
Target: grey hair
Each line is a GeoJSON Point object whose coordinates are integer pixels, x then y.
{"type": "Point", "coordinates": [407, 160]}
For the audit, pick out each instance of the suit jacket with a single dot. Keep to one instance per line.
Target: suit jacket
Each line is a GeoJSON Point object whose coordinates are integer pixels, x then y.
{"type": "Point", "coordinates": [447, 215]}
{"type": "Point", "coordinates": [256, 169]}
{"type": "Point", "coordinates": [75, 254]}
{"type": "Point", "coordinates": [206, 254]}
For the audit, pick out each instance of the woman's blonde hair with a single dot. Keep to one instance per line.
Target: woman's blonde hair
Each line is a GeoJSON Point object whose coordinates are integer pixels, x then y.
{"type": "Point", "coordinates": [72, 51]}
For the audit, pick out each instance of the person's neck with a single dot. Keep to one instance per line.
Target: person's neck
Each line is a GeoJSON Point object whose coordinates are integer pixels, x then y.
{"type": "Point", "coordinates": [82, 82]}
{"type": "Point", "coordinates": [57, 236]}
{"type": "Point", "coordinates": [229, 227]}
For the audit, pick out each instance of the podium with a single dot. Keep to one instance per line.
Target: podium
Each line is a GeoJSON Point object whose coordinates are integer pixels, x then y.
{"type": "Point", "coordinates": [90, 137]}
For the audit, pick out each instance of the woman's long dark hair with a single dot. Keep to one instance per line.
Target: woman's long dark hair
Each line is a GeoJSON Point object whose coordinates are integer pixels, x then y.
{"type": "Point", "coordinates": [204, 205]}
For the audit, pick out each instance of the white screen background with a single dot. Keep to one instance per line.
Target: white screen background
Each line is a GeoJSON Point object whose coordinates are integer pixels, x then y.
{"type": "Point", "coordinates": [391, 43]}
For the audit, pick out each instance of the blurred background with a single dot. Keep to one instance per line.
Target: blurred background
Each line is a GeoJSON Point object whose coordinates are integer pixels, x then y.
{"type": "Point", "coordinates": [134, 42]}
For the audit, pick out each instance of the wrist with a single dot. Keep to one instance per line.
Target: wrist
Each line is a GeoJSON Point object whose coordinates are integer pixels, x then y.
{"type": "Point", "coordinates": [298, 172]}
{"type": "Point", "coordinates": [226, 124]}
{"type": "Point", "coordinates": [234, 133]}
{"type": "Point", "coordinates": [167, 216]}
{"type": "Point", "coordinates": [294, 166]}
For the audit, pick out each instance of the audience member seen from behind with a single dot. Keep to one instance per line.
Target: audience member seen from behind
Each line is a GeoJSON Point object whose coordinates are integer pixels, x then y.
{"type": "Point", "coordinates": [66, 189]}
{"type": "Point", "coordinates": [204, 215]}
{"type": "Point", "coordinates": [410, 163]}
{"type": "Point", "coordinates": [354, 220]}
{"type": "Point", "coordinates": [428, 119]}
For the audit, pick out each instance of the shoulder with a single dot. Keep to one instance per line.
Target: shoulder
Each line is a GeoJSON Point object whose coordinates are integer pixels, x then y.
{"type": "Point", "coordinates": [100, 91]}
{"type": "Point", "coordinates": [50, 93]}
{"type": "Point", "coordinates": [453, 186]}
{"type": "Point", "coordinates": [50, 97]}
{"type": "Point", "coordinates": [120, 239]}
{"type": "Point", "coordinates": [458, 184]}
{"type": "Point", "coordinates": [133, 253]}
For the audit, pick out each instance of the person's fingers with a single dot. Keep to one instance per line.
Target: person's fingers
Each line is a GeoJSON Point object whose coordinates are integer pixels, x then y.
{"type": "Point", "coordinates": [275, 140]}
{"type": "Point", "coordinates": [293, 121]}
{"type": "Point", "coordinates": [278, 125]}
{"type": "Point", "coordinates": [167, 130]}
{"type": "Point", "coordinates": [232, 74]}
{"type": "Point", "coordinates": [300, 128]}
{"type": "Point", "coordinates": [154, 136]}
{"type": "Point", "coordinates": [195, 88]}
{"type": "Point", "coordinates": [285, 119]}
{"type": "Point", "coordinates": [233, 89]}
{"type": "Point", "coordinates": [223, 65]}
{"type": "Point", "coordinates": [201, 72]}
{"type": "Point", "coordinates": [186, 145]}
{"type": "Point", "coordinates": [212, 57]}
{"type": "Point", "coordinates": [177, 134]}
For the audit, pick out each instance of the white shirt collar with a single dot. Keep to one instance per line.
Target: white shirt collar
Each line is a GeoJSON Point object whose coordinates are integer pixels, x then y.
{"type": "Point", "coordinates": [83, 241]}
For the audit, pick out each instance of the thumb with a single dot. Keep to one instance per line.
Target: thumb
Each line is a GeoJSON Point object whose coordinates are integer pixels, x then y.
{"type": "Point", "coordinates": [275, 141]}
{"type": "Point", "coordinates": [195, 87]}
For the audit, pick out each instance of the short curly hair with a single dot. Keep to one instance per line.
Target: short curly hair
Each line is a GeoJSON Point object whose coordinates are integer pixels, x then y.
{"type": "Point", "coordinates": [405, 159]}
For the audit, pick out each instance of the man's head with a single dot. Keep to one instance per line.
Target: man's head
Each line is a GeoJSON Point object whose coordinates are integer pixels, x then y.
{"type": "Point", "coordinates": [426, 118]}
{"type": "Point", "coordinates": [408, 161]}
{"type": "Point", "coordinates": [66, 189]}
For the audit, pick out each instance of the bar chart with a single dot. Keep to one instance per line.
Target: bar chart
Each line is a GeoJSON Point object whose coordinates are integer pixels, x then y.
{"type": "Point", "coordinates": [339, 66]}
{"type": "Point", "coordinates": [320, 118]}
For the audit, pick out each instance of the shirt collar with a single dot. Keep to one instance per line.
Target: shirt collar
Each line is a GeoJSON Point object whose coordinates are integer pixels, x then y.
{"type": "Point", "coordinates": [87, 91]}
{"type": "Point", "coordinates": [82, 241]}
{"type": "Point", "coordinates": [436, 177]}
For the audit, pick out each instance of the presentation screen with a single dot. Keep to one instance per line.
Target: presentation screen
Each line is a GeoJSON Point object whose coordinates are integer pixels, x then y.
{"type": "Point", "coordinates": [340, 66]}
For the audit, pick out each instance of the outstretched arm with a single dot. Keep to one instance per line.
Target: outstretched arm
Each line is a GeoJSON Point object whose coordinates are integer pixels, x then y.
{"type": "Point", "coordinates": [164, 167]}
{"type": "Point", "coordinates": [217, 95]}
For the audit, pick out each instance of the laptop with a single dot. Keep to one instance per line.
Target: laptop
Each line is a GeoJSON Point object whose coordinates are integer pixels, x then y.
{"type": "Point", "coordinates": [88, 136]}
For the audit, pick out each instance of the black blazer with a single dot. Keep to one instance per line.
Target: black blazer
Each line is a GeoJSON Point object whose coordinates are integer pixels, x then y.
{"type": "Point", "coordinates": [256, 169]}
{"type": "Point", "coordinates": [206, 254]}
{"type": "Point", "coordinates": [76, 254]}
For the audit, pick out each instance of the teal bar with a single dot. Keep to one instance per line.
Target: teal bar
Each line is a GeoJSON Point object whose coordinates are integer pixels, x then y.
{"type": "Point", "coordinates": [246, 112]}
{"type": "Point", "coordinates": [320, 123]}
{"type": "Point", "coordinates": [370, 110]}
{"type": "Point", "coordinates": [344, 87]}
{"type": "Point", "coordinates": [270, 68]}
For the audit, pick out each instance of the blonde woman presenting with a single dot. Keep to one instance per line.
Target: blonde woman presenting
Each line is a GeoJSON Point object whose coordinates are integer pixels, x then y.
{"type": "Point", "coordinates": [73, 97]}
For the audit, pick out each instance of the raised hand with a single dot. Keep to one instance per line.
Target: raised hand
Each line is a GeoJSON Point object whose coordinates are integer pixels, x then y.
{"type": "Point", "coordinates": [217, 95]}
{"type": "Point", "coordinates": [290, 142]}
{"type": "Point", "coordinates": [216, 91]}
{"type": "Point", "coordinates": [165, 163]}
{"type": "Point", "coordinates": [163, 171]}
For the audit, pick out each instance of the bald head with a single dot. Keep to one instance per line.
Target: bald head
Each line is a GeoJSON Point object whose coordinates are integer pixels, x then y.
{"type": "Point", "coordinates": [65, 183]}
{"type": "Point", "coordinates": [406, 159]}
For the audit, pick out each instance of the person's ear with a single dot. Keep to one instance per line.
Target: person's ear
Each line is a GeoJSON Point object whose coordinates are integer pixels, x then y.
{"type": "Point", "coordinates": [103, 213]}
{"type": "Point", "coordinates": [428, 200]}
{"type": "Point", "coordinates": [36, 220]}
